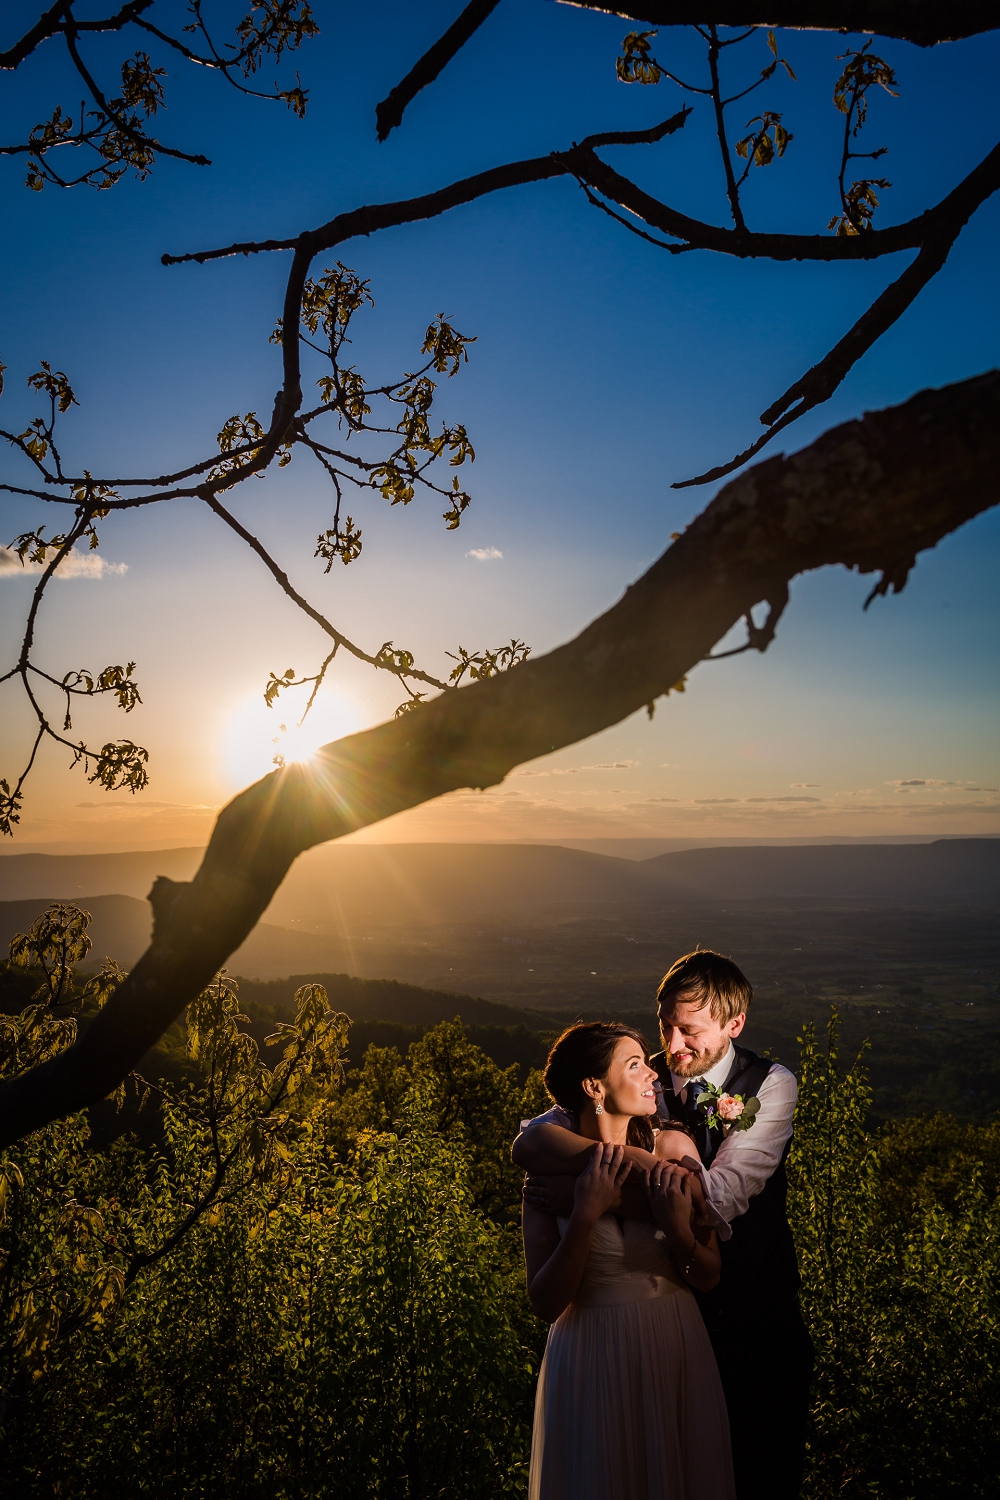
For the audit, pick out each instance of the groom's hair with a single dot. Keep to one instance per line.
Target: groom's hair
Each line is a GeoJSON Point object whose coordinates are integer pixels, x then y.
{"type": "Point", "coordinates": [706, 978]}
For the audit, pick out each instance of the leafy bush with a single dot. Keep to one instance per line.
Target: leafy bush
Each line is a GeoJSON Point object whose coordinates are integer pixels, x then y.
{"type": "Point", "coordinates": [297, 1284]}
{"type": "Point", "coordinates": [899, 1246]}
{"type": "Point", "coordinates": [297, 1293]}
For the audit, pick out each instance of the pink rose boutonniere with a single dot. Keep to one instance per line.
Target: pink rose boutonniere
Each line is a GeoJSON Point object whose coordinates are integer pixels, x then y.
{"type": "Point", "coordinates": [727, 1112]}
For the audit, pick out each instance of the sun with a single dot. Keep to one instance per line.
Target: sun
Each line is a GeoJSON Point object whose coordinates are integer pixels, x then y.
{"type": "Point", "coordinates": [256, 738]}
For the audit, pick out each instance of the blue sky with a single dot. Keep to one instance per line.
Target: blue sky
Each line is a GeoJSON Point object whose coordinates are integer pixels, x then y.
{"type": "Point", "coordinates": [604, 370]}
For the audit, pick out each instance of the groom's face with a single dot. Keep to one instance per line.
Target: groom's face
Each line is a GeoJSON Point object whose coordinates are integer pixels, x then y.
{"type": "Point", "coordinates": [692, 1038]}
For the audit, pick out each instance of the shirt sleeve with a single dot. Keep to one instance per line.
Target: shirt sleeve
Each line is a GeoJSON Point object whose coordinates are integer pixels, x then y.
{"type": "Point", "coordinates": [747, 1158]}
{"type": "Point", "coordinates": [554, 1116]}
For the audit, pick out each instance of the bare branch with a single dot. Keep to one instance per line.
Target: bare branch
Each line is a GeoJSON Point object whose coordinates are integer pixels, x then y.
{"type": "Point", "coordinates": [924, 22]}
{"type": "Point", "coordinates": [819, 383]}
{"type": "Point", "coordinates": [959, 205]}
{"type": "Point", "coordinates": [389, 113]}
{"type": "Point", "coordinates": [868, 495]}
{"type": "Point", "coordinates": [50, 23]}
{"type": "Point", "coordinates": [285, 584]}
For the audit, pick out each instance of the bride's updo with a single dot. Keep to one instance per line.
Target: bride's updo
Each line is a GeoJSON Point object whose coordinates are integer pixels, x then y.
{"type": "Point", "coordinates": [585, 1051]}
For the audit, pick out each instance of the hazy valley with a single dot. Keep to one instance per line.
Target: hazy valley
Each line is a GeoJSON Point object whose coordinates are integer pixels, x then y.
{"type": "Point", "coordinates": [903, 938]}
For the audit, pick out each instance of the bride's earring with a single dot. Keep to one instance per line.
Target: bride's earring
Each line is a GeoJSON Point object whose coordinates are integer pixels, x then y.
{"type": "Point", "coordinates": [598, 1108]}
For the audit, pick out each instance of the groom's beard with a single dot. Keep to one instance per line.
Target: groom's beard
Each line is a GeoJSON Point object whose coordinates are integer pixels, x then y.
{"type": "Point", "coordinates": [699, 1063]}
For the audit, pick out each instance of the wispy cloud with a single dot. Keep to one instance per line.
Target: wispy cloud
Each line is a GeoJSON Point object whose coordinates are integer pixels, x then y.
{"type": "Point", "coordinates": [76, 565]}
{"type": "Point", "coordinates": [801, 786]}
{"type": "Point", "coordinates": [782, 799]}
{"type": "Point", "coordinates": [604, 765]}
{"type": "Point", "coordinates": [948, 786]}
{"type": "Point", "coordinates": [485, 554]}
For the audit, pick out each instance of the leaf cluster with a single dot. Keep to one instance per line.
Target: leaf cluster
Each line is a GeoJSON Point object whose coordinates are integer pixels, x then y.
{"type": "Point", "coordinates": [115, 127]}
{"type": "Point", "coordinates": [479, 665]}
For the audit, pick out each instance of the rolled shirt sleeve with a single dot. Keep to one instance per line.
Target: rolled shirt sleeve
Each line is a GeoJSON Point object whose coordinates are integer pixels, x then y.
{"type": "Point", "coordinates": [747, 1158]}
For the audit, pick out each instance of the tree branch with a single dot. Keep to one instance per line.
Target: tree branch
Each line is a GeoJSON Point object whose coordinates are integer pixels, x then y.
{"type": "Point", "coordinates": [389, 113]}
{"type": "Point", "coordinates": [50, 23]}
{"type": "Point", "coordinates": [868, 495]}
{"type": "Point", "coordinates": [818, 384]}
{"type": "Point", "coordinates": [284, 583]}
{"type": "Point", "coordinates": [924, 22]}
{"type": "Point", "coordinates": [582, 161]}
{"type": "Point", "coordinates": [960, 203]}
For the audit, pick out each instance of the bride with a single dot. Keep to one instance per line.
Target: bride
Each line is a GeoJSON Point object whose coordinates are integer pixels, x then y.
{"type": "Point", "coordinates": [629, 1403]}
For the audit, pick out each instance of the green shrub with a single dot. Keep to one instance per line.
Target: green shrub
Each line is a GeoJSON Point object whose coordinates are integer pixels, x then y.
{"type": "Point", "coordinates": [899, 1245]}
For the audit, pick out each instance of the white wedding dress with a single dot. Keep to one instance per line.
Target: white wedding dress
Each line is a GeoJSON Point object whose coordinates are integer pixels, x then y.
{"type": "Point", "coordinates": [629, 1403]}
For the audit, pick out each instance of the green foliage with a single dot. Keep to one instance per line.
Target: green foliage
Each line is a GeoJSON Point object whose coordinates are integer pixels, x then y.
{"type": "Point", "coordinates": [899, 1247]}
{"type": "Point", "coordinates": [482, 664]}
{"type": "Point", "coordinates": [636, 64]}
{"type": "Point", "coordinates": [54, 943]}
{"type": "Point", "coordinates": [448, 1088]}
{"type": "Point", "coordinates": [307, 1285]}
{"type": "Point", "coordinates": [302, 1289]}
{"type": "Point", "coordinates": [860, 203]}
{"type": "Point", "coordinates": [770, 140]}
{"type": "Point", "coordinates": [115, 129]}
{"type": "Point", "coordinates": [117, 765]}
{"type": "Point", "coordinates": [863, 71]}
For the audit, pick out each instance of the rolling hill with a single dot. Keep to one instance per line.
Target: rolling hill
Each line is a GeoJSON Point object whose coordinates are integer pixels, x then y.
{"type": "Point", "coordinates": [336, 886]}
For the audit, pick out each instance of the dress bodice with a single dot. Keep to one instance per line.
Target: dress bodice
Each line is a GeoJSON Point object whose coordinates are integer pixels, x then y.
{"type": "Point", "coordinates": [629, 1262]}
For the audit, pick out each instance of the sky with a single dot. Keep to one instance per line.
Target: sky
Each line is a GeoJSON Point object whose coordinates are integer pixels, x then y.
{"type": "Point", "coordinates": [603, 370]}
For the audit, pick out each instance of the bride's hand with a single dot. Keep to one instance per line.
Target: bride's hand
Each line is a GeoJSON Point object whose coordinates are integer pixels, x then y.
{"type": "Point", "coordinates": [598, 1186]}
{"type": "Point", "coordinates": [668, 1186]}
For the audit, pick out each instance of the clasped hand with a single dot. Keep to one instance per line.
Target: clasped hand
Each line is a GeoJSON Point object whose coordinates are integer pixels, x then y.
{"type": "Point", "coordinates": [599, 1184]}
{"type": "Point", "coordinates": [668, 1187]}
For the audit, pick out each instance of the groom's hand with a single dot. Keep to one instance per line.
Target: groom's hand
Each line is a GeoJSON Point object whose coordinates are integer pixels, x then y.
{"type": "Point", "coordinates": [550, 1195]}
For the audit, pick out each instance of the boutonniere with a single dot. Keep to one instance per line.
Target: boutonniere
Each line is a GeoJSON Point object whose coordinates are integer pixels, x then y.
{"type": "Point", "coordinates": [727, 1112]}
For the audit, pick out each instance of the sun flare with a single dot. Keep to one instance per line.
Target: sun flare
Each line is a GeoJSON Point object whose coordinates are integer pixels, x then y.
{"type": "Point", "coordinates": [257, 738]}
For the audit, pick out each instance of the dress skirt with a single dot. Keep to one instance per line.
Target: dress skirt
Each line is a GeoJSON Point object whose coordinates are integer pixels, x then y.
{"type": "Point", "coordinates": [629, 1403]}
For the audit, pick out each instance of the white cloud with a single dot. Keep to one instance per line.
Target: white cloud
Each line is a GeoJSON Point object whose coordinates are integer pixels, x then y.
{"type": "Point", "coordinates": [801, 786]}
{"type": "Point", "coordinates": [76, 565]}
{"type": "Point", "coordinates": [485, 554]}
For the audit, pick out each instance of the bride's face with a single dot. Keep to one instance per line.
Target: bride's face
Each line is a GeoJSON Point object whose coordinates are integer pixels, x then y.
{"type": "Point", "coordinates": [628, 1087]}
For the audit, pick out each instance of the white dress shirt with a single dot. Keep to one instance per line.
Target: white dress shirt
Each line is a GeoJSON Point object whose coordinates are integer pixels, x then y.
{"type": "Point", "coordinates": [745, 1159]}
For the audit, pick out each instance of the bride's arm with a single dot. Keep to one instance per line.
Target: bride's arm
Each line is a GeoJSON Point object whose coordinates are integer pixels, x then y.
{"type": "Point", "coordinates": [555, 1266]}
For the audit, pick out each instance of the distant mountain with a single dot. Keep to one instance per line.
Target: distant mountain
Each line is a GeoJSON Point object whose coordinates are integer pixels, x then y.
{"type": "Point", "coordinates": [122, 926]}
{"type": "Point", "coordinates": [340, 885]}
{"type": "Point", "coordinates": [388, 1000]}
{"type": "Point", "coordinates": [341, 904]}
{"type": "Point", "coordinates": [947, 870]}
{"type": "Point", "coordinates": [66, 877]}
{"type": "Point", "coordinates": [120, 929]}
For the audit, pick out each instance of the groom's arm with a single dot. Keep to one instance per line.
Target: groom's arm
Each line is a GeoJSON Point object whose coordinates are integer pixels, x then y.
{"type": "Point", "coordinates": [544, 1149]}
{"type": "Point", "coordinates": [554, 1156]}
{"type": "Point", "coordinates": [747, 1158]}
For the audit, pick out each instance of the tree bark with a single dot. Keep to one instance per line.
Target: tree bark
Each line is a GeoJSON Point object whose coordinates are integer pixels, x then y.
{"type": "Point", "coordinates": [925, 22]}
{"type": "Point", "coordinates": [869, 495]}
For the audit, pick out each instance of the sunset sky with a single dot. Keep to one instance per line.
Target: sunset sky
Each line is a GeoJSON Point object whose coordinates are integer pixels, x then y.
{"type": "Point", "coordinates": [603, 370]}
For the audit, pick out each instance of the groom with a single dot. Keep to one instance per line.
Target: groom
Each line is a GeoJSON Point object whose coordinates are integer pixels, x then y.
{"type": "Point", "coordinates": [753, 1319]}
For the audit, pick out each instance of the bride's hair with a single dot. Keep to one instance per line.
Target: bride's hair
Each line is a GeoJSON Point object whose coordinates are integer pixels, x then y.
{"type": "Point", "coordinates": [585, 1051]}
